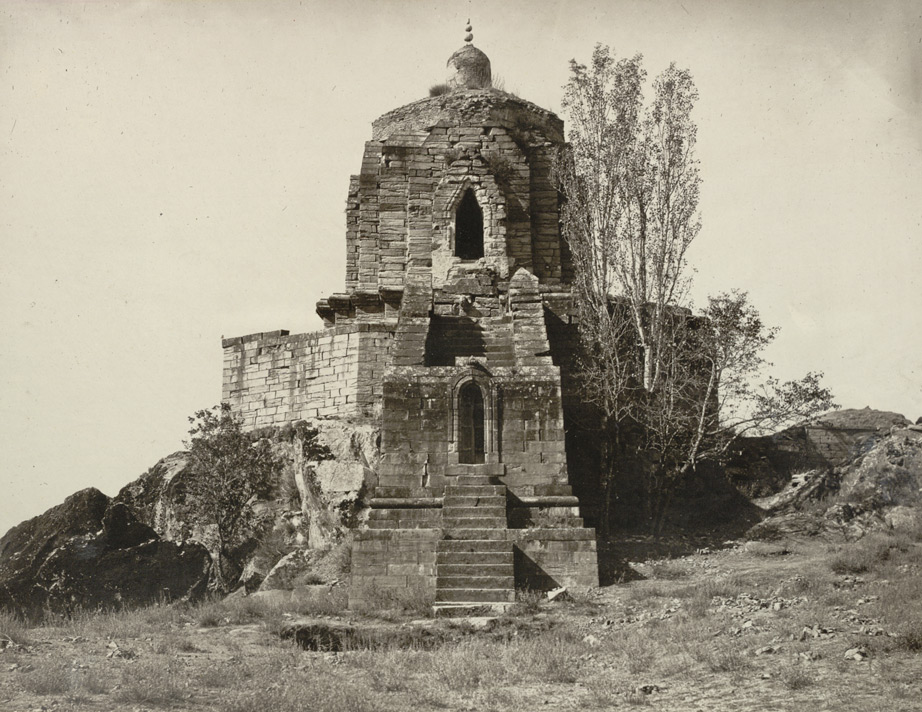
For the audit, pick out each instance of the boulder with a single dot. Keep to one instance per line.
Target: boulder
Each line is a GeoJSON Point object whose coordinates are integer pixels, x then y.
{"type": "Point", "coordinates": [907, 519]}
{"type": "Point", "coordinates": [91, 553]}
{"type": "Point", "coordinates": [291, 569]}
{"type": "Point", "coordinates": [888, 475]}
{"type": "Point", "coordinates": [313, 502]}
{"type": "Point", "coordinates": [310, 566]}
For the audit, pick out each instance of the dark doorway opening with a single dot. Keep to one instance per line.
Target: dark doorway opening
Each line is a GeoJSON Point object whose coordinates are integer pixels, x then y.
{"type": "Point", "coordinates": [470, 424]}
{"type": "Point", "coordinates": [469, 228]}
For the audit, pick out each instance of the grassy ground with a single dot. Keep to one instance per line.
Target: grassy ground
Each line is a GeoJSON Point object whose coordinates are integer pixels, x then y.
{"type": "Point", "coordinates": [785, 625]}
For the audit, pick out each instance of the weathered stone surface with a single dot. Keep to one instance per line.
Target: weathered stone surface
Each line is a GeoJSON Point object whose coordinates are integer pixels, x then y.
{"type": "Point", "coordinates": [469, 68]}
{"type": "Point", "coordinates": [313, 504]}
{"type": "Point", "coordinates": [889, 474]}
{"type": "Point", "coordinates": [90, 553]}
{"type": "Point", "coordinates": [880, 488]}
{"type": "Point", "coordinates": [290, 568]}
{"type": "Point", "coordinates": [764, 466]}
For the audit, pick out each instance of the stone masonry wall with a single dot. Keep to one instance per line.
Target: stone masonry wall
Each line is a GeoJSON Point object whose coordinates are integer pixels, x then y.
{"type": "Point", "coordinates": [401, 561]}
{"type": "Point", "coordinates": [547, 558]}
{"type": "Point", "coordinates": [402, 205]}
{"type": "Point", "coordinates": [275, 377]}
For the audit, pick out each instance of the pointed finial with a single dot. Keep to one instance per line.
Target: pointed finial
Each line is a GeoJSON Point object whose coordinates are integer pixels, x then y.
{"type": "Point", "coordinates": [469, 37]}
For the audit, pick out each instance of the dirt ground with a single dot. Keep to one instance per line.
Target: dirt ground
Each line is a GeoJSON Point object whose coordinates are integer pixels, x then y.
{"type": "Point", "coordinates": [784, 625]}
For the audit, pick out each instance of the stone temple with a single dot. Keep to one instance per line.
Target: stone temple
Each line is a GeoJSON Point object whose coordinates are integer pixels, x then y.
{"type": "Point", "coordinates": [454, 340]}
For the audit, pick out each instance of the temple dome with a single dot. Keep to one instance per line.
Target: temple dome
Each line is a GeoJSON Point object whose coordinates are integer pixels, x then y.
{"type": "Point", "coordinates": [469, 68]}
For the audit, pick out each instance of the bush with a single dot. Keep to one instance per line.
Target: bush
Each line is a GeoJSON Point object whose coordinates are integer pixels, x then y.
{"type": "Point", "coordinates": [909, 637]}
{"type": "Point", "coordinates": [49, 679]}
{"type": "Point", "coordinates": [667, 571]}
{"type": "Point", "coordinates": [866, 553]}
{"type": "Point", "coordinates": [13, 627]}
{"type": "Point", "coordinates": [152, 682]}
{"type": "Point", "coordinates": [795, 677]}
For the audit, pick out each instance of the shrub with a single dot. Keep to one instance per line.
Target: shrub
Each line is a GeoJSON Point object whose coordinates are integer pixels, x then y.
{"type": "Point", "coordinates": [795, 677]}
{"type": "Point", "coordinates": [606, 691]}
{"type": "Point", "coordinates": [863, 555]}
{"type": "Point", "coordinates": [13, 627]}
{"type": "Point", "coordinates": [49, 678]}
{"type": "Point", "coordinates": [667, 571]}
{"type": "Point", "coordinates": [527, 603]}
{"type": "Point", "coordinates": [723, 658]}
{"type": "Point", "coordinates": [439, 89]}
{"type": "Point", "coordinates": [152, 682]}
{"type": "Point", "coordinates": [231, 469]}
{"type": "Point", "coordinates": [504, 171]}
{"type": "Point", "coordinates": [909, 637]}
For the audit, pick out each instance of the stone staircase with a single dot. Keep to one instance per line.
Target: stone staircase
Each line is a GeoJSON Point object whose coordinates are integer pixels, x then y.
{"type": "Point", "coordinates": [474, 559]}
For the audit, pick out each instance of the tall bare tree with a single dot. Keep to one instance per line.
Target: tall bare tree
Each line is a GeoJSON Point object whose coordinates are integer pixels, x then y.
{"type": "Point", "coordinates": [680, 388]}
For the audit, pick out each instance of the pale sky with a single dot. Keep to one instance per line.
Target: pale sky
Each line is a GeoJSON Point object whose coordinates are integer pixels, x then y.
{"type": "Point", "coordinates": [171, 172]}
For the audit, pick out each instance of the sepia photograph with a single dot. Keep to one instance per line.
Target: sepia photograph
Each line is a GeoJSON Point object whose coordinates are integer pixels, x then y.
{"type": "Point", "coordinates": [401, 355]}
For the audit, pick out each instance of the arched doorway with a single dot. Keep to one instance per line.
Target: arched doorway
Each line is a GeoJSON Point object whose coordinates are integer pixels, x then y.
{"type": "Point", "coordinates": [469, 228]}
{"type": "Point", "coordinates": [470, 424]}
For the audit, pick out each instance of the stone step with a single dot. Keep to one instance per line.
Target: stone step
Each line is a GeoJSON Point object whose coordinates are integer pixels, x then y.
{"type": "Point", "coordinates": [477, 481]}
{"type": "Point", "coordinates": [475, 512]}
{"type": "Point", "coordinates": [483, 469]}
{"type": "Point", "coordinates": [474, 533]}
{"type": "Point", "coordinates": [484, 490]}
{"type": "Point", "coordinates": [466, 610]}
{"type": "Point", "coordinates": [478, 569]}
{"type": "Point", "coordinates": [491, 582]}
{"type": "Point", "coordinates": [474, 595]}
{"type": "Point", "coordinates": [463, 500]}
{"type": "Point", "coordinates": [467, 545]}
{"type": "Point", "coordinates": [466, 524]}
{"type": "Point", "coordinates": [451, 522]}
{"type": "Point", "coordinates": [486, 558]}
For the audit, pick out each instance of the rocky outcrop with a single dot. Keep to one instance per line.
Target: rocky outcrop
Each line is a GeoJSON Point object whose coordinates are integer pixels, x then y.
{"type": "Point", "coordinates": [880, 488]}
{"type": "Point", "coordinates": [91, 552]}
{"type": "Point", "coordinates": [888, 475]}
{"type": "Point", "coordinates": [304, 567]}
{"type": "Point", "coordinates": [312, 502]}
{"type": "Point", "coordinates": [149, 543]}
{"type": "Point", "coordinates": [312, 506]}
{"type": "Point", "coordinates": [763, 466]}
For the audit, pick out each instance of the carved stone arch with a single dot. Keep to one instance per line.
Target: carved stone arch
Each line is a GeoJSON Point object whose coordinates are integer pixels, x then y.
{"type": "Point", "coordinates": [474, 381]}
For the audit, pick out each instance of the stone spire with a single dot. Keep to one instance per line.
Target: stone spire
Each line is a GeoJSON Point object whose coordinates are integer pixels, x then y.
{"type": "Point", "coordinates": [469, 68]}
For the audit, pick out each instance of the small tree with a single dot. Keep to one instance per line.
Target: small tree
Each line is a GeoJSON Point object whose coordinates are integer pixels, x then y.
{"type": "Point", "coordinates": [231, 470]}
{"type": "Point", "coordinates": [712, 391]}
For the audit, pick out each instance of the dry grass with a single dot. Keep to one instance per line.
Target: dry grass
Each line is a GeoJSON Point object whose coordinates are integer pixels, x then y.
{"type": "Point", "coordinates": [154, 682]}
{"type": "Point", "coordinates": [667, 571]}
{"type": "Point", "coordinates": [796, 676]}
{"type": "Point", "coordinates": [695, 635]}
{"type": "Point", "coordinates": [13, 627]}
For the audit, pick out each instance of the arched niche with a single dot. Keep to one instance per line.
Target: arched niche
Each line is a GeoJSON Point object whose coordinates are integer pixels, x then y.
{"type": "Point", "coordinates": [471, 444]}
{"type": "Point", "coordinates": [475, 415]}
{"type": "Point", "coordinates": [469, 224]}
{"type": "Point", "coordinates": [469, 227]}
